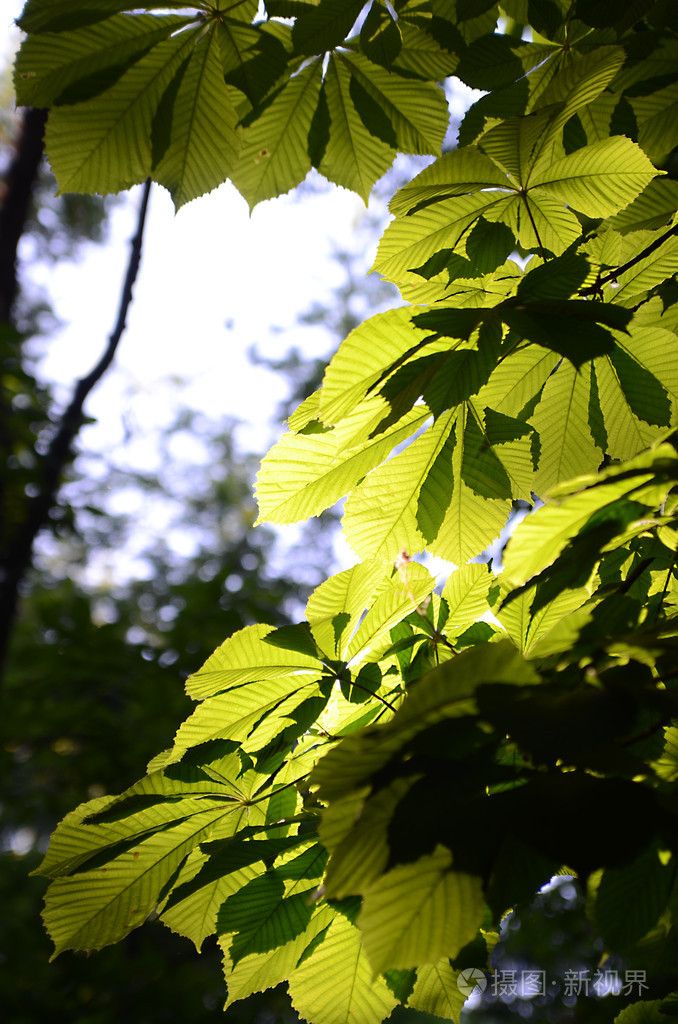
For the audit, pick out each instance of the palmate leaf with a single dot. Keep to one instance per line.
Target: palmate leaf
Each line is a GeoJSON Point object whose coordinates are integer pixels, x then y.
{"type": "Point", "coordinates": [516, 381]}
{"type": "Point", "coordinates": [104, 144]}
{"type": "Point", "coordinates": [395, 485]}
{"type": "Point", "coordinates": [638, 389]}
{"type": "Point", "coordinates": [336, 982]}
{"type": "Point", "coordinates": [483, 472]}
{"type": "Point", "coordinates": [420, 52]}
{"type": "Point", "coordinates": [574, 328]}
{"type": "Point", "coordinates": [493, 61]}
{"type": "Point", "coordinates": [613, 406]}
{"type": "Point", "coordinates": [254, 56]}
{"type": "Point", "coordinates": [656, 117]}
{"type": "Point", "coordinates": [653, 208]}
{"type": "Point", "coordinates": [67, 67]}
{"type": "Point", "coordinates": [531, 201]}
{"type": "Point", "coordinates": [416, 913]}
{"type": "Point", "coordinates": [274, 156]}
{"type": "Point", "coordinates": [200, 124]}
{"type": "Point", "coordinates": [466, 466]}
{"type": "Point", "coordinates": [194, 902]}
{"type": "Point", "coordinates": [323, 25]}
{"type": "Point", "coordinates": [96, 826]}
{"type": "Point", "coordinates": [410, 241]}
{"type": "Point", "coordinates": [654, 268]}
{"type": "Point", "coordinates": [597, 180]}
{"type": "Point", "coordinates": [446, 692]}
{"type": "Point", "coordinates": [528, 629]}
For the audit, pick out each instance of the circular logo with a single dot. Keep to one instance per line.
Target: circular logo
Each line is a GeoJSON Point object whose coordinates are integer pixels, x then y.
{"type": "Point", "coordinates": [470, 980]}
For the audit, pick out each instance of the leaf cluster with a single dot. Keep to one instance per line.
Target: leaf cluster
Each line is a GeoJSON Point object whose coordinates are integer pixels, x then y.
{"type": "Point", "coordinates": [357, 800]}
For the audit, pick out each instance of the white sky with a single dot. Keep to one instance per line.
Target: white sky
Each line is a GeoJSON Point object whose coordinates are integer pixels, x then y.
{"type": "Point", "coordinates": [208, 266]}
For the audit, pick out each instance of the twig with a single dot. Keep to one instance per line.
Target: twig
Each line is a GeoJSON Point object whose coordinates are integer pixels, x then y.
{"type": "Point", "coordinates": [614, 274]}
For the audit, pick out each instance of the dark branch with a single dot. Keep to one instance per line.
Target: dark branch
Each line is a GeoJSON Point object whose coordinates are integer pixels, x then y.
{"type": "Point", "coordinates": [614, 274]}
{"type": "Point", "coordinates": [19, 555]}
{"type": "Point", "coordinates": [15, 202]}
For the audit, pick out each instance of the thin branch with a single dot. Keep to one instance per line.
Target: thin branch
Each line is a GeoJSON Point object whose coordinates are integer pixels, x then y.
{"type": "Point", "coordinates": [18, 557]}
{"type": "Point", "coordinates": [383, 700]}
{"type": "Point", "coordinates": [17, 190]}
{"type": "Point", "coordinates": [614, 274]}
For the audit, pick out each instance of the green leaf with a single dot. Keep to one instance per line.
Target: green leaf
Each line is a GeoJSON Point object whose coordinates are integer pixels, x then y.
{"type": "Point", "coordinates": [193, 913]}
{"type": "Point", "coordinates": [395, 487]}
{"type": "Point", "coordinates": [246, 656]}
{"type": "Point", "coordinates": [527, 628]}
{"type": "Point", "coordinates": [104, 144]}
{"type": "Point", "coordinates": [61, 16]}
{"type": "Point", "coordinates": [98, 906]}
{"type": "Point", "coordinates": [265, 913]}
{"type": "Point", "coordinates": [653, 208]}
{"type": "Point", "coordinates": [630, 899]}
{"type": "Point", "coordinates": [561, 418]}
{"type": "Point", "coordinates": [352, 157]}
{"type": "Point", "coordinates": [72, 66]}
{"type": "Point", "coordinates": [324, 25]}
{"type": "Point", "coordinates": [203, 141]}
{"type": "Point", "coordinates": [254, 56]}
{"type": "Point", "coordinates": [235, 714]}
{"type": "Point", "coordinates": [366, 355]}
{"type": "Point", "coordinates": [380, 36]}
{"type": "Point", "coordinates": [644, 1012]}
{"type": "Point", "coordinates": [416, 110]}
{"type": "Point", "coordinates": [541, 537]}
{"type": "Point", "coordinates": [296, 638]}
{"type": "Point", "coordinates": [274, 156]}
{"type": "Point", "coordinates": [466, 593]}
{"type": "Point", "coordinates": [454, 174]}
{"type": "Point", "coordinates": [421, 53]}
{"type": "Point", "coordinates": [485, 468]}
{"type": "Point", "coordinates": [306, 473]}
{"type": "Point", "coordinates": [259, 971]}
{"type": "Point", "coordinates": [597, 180]}
{"type": "Point", "coordinates": [356, 832]}
{"type": "Point", "coordinates": [404, 591]}
{"type": "Point", "coordinates": [656, 117]}
{"type": "Point", "coordinates": [638, 385]}
{"type": "Point", "coordinates": [436, 991]}
{"type": "Point", "coordinates": [416, 913]}
{"type": "Point", "coordinates": [334, 608]}
{"type": "Point", "coordinates": [336, 984]}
